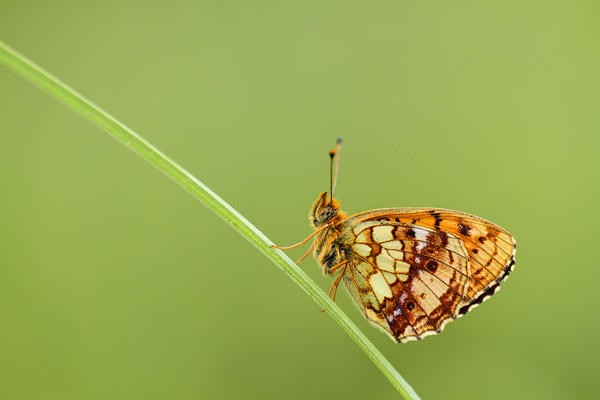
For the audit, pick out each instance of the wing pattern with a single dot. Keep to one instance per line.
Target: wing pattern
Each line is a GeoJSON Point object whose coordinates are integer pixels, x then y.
{"type": "Point", "coordinates": [414, 270]}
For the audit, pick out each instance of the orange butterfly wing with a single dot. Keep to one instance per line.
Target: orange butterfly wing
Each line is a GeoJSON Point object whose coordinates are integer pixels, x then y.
{"type": "Point", "coordinates": [412, 270]}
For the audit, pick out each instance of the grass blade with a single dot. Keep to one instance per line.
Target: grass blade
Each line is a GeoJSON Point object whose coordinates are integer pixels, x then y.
{"type": "Point", "coordinates": [139, 145]}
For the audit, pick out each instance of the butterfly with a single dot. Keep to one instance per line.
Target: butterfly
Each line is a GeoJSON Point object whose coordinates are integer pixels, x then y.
{"type": "Point", "coordinates": [410, 271]}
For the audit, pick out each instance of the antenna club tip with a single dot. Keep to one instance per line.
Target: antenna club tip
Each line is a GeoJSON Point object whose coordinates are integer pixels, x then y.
{"type": "Point", "coordinates": [339, 141]}
{"type": "Point", "coordinates": [331, 153]}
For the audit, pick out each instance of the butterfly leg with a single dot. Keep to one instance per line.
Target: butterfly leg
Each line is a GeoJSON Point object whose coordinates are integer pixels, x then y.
{"type": "Point", "coordinates": [337, 281]}
{"type": "Point", "coordinates": [306, 254]}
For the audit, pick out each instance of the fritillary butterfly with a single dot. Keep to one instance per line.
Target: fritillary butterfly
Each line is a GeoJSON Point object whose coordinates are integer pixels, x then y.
{"type": "Point", "coordinates": [410, 270]}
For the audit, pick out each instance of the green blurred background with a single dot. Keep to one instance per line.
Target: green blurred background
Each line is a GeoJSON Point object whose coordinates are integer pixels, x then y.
{"type": "Point", "coordinates": [116, 284]}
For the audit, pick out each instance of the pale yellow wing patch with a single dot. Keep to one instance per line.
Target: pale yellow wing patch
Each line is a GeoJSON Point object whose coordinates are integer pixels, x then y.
{"type": "Point", "coordinates": [410, 281]}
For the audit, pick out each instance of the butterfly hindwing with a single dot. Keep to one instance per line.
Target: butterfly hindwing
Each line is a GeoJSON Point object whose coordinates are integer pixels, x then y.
{"type": "Point", "coordinates": [409, 280]}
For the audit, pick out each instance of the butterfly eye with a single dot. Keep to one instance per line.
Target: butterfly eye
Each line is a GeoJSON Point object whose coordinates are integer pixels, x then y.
{"type": "Point", "coordinates": [326, 213]}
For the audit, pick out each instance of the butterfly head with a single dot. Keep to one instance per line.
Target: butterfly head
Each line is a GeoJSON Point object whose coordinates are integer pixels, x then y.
{"type": "Point", "coordinates": [324, 210]}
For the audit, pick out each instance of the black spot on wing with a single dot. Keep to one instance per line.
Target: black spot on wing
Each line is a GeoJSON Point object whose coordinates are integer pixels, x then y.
{"type": "Point", "coordinates": [438, 219]}
{"type": "Point", "coordinates": [431, 265]}
{"type": "Point", "coordinates": [464, 229]}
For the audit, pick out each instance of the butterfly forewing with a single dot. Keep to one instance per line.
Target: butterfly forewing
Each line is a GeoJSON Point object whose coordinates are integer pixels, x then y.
{"type": "Point", "coordinates": [413, 270]}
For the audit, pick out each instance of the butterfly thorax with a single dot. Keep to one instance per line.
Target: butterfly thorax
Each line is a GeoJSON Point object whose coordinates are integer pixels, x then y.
{"type": "Point", "coordinates": [330, 246]}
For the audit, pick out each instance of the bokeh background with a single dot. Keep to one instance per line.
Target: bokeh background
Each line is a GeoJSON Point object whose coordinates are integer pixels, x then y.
{"type": "Point", "coordinates": [116, 284]}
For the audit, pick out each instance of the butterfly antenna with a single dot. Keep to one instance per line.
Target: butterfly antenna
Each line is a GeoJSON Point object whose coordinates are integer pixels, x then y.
{"type": "Point", "coordinates": [337, 165]}
{"type": "Point", "coordinates": [331, 155]}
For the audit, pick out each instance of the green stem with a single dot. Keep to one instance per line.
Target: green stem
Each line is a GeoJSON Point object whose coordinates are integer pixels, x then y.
{"type": "Point", "coordinates": [125, 135]}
